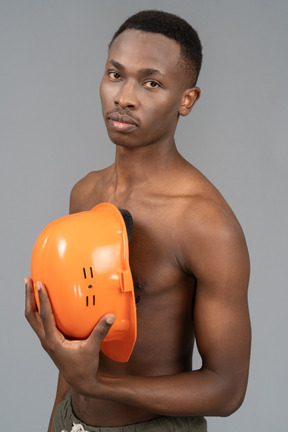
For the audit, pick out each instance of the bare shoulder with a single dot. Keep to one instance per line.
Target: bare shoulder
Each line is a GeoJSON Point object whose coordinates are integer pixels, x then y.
{"type": "Point", "coordinates": [84, 194]}
{"type": "Point", "coordinates": [211, 235]}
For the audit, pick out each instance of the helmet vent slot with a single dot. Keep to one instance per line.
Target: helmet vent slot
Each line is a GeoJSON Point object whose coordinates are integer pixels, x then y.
{"type": "Point", "coordinates": [87, 301]}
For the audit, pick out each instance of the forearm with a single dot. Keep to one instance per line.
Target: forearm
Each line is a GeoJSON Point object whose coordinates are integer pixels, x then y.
{"type": "Point", "coordinates": [192, 393]}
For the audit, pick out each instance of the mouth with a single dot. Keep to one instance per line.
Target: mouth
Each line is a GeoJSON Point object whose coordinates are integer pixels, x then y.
{"type": "Point", "coordinates": [122, 123]}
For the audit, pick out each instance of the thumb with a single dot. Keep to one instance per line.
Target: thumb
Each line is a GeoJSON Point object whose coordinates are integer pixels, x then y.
{"type": "Point", "coordinates": [102, 328]}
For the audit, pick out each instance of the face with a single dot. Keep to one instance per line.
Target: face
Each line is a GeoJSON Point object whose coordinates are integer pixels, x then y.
{"type": "Point", "coordinates": [142, 92]}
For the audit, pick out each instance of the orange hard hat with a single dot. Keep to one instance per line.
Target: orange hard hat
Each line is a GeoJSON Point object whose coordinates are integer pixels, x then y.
{"type": "Point", "coordinates": [83, 260]}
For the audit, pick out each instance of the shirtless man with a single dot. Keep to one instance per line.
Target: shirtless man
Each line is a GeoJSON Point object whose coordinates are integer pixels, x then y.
{"type": "Point", "coordinates": [188, 255]}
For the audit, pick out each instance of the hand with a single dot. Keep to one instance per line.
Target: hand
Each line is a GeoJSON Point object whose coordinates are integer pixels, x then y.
{"type": "Point", "coordinates": [77, 360]}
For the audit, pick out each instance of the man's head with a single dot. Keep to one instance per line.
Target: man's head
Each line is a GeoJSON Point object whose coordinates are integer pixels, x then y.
{"type": "Point", "coordinates": [149, 79]}
{"type": "Point", "coordinates": [173, 27]}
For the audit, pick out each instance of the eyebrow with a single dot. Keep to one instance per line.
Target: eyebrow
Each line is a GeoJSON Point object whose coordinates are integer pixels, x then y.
{"type": "Point", "coordinates": [145, 71]}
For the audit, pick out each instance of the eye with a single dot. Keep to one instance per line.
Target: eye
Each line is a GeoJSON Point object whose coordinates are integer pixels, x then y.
{"type": "Point", "coordinates": [114, 75]}
{"type": "Point", "coordinates": [152, 84]}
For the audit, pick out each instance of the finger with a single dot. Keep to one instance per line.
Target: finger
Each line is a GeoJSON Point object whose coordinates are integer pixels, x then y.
{"type": "Point", "coordinates": [31, 310]}
{"type": "Point", "coordinates": [46, 312]}
{"type": "Point", "coordinates": [45, 305]}
{"type": "Point", "coordinates": [30, 302]}
{"type": "Point", "coordinates": [52, 335]}
{"type": "Point", "coordinates": [100, 330]}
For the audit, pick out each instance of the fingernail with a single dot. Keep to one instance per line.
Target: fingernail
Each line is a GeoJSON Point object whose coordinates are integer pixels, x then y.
{"type": "Point", "coordinates": [38, 284]}
{"type": "Point", "coordinates": [110, 319]}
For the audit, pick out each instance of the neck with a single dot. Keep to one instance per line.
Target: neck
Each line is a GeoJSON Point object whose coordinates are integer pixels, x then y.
{"type": "Point", "coordinates": [140, 167]}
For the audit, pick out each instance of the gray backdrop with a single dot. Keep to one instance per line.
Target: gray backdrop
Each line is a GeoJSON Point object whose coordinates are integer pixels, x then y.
{"type": "Point", "coordinates": [52, 134]}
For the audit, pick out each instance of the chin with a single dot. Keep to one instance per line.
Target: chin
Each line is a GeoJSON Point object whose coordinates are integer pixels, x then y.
{"type": "Point", "coordinates": [122, 141]}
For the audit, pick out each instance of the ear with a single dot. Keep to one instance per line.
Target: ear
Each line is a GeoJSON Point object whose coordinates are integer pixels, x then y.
{"type": "Point", "coordinates": [189, 98]}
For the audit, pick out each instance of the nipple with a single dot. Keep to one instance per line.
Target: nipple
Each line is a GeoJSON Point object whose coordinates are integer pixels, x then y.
{"type": "Point", "coordinates": [140, 288]}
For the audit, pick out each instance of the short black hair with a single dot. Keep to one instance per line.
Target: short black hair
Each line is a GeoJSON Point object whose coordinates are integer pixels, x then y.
{"type": "Point", "coordinates": [173, 27]}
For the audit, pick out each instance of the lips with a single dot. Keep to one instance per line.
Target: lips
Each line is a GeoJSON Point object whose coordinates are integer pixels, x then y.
{"type": "Point", "coordinates": [122, 123]}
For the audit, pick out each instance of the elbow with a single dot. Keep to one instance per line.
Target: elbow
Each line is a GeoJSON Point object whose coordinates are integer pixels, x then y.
{"type": "Point", "coordinates": [230, 408]}
{"type": "Point", "coordinates": [232, 402]}
{"type": "Point", "coordinates": [228, 394]}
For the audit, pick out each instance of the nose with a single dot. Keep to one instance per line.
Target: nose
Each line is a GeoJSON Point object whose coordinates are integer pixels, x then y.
{"type": "Point", "coordinates": [127, 95]}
